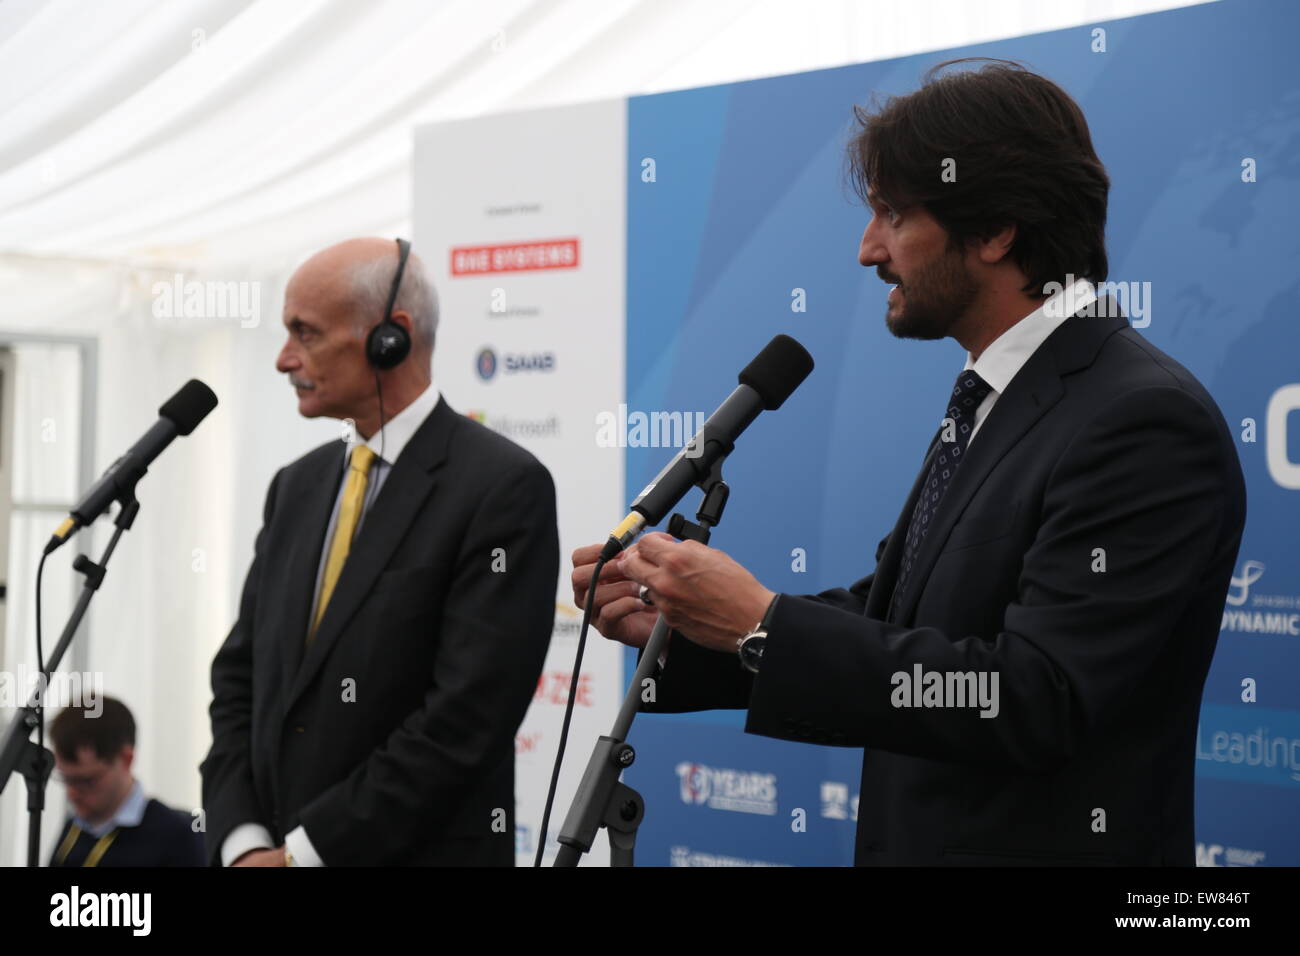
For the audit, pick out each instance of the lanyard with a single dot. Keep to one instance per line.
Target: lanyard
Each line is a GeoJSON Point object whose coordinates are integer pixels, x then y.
{"type": "Point", "coordinates": [96, 852]}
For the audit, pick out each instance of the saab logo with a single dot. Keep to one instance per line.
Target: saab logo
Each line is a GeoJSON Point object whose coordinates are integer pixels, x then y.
{"type": "Point", "coordinates": [1250, 573]}
{"type": "Point", "coordinates": [740, 791]}
{"type": "Point", "coordinates": [1284, 469]}
{"type": "Point", "coordinates": [513, 362]}
{"type": "Point", "coordinates": [535, 362]}
{"type": "Point", "coordinates": [515, 257]}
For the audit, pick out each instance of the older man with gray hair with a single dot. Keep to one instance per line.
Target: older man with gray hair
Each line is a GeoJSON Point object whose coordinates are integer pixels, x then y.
{"type": "Point", "coordinates": [397, 613]}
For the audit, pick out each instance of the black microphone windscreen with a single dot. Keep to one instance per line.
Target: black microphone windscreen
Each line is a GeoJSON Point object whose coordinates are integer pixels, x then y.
{"type": "Point", "coordinates": [189, 406]}
{"type": "Point", "coordinates": [777, 371]}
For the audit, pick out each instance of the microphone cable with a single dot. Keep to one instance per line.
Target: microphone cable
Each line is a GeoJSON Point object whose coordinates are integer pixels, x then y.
{"type": "Point", "coordinates": [568, 710]}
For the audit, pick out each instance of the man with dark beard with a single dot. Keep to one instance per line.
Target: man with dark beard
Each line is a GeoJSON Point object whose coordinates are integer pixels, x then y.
{"type": "Point", "coordinates": [1024, 666]}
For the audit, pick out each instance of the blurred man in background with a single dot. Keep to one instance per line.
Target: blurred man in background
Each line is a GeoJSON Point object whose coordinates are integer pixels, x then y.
{"type": "Point", "coordinates": [113, 823]}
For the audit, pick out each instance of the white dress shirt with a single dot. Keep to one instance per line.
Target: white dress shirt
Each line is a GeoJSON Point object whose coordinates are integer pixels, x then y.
{"type": "Point", "coordinates": [392, 438]}
{"type": "Point", "coordinates": [1007, 354]}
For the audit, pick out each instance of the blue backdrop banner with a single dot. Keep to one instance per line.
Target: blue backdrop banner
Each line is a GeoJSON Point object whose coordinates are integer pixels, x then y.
{"type": "Point", "coordinates": [746, 227]}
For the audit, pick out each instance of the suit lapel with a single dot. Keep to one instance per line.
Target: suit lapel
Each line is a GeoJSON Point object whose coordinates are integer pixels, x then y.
{"type": "Point", "coordinates": [1032, 392]}
{"type": "Point", "coordinates": [409, 483]}
{"type": "Point", "coordinates": [300, 576]}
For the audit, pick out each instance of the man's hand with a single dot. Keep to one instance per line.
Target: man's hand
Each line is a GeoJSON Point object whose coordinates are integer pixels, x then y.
{"type": "Point", "coordinates": [700, 591]}
{"type": "Point", "coordinates": [261, 858]}
{"type": "Point", "coordinates": [617, 613]}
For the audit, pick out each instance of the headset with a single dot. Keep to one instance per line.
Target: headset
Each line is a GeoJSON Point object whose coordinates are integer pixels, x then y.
{"type": "Point", "coordinates": [388, 344]}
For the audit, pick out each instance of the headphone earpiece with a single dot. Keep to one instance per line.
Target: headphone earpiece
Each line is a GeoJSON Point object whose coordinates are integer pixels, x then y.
{"type": "Point", "coordinates": [388, 344]}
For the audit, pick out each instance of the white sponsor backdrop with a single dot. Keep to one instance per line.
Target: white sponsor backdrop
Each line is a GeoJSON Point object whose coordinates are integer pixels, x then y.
{"type": "Point", "coordinates": [552, 182]}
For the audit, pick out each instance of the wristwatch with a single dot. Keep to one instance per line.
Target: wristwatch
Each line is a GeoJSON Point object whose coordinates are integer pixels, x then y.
{"type": "Point", "coordinates": [750, 646]}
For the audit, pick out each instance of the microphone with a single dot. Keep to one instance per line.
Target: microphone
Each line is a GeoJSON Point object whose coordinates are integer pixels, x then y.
{"type": "Point", "coordinates": [178, 416]}
{"type": "Point", "coordinates": [765, 384]}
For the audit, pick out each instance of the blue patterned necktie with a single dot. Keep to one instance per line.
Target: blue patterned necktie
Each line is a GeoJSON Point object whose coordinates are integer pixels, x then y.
{"type": "Point", "coordinates": [967, 394]}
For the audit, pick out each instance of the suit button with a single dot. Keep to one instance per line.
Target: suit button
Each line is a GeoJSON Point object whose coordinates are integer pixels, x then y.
{"type": "Point", "coordinates": [299, 729]}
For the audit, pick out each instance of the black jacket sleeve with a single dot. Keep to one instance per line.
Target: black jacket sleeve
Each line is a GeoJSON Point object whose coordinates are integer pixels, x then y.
{"type": "Point", "coordinates": [229, 797]}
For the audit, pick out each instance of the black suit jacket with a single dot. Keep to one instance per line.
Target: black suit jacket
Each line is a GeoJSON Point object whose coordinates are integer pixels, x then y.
{"type": "Point", "coordinates": [1082, 552]}
{"type": "Point", "coordinates": [392, 738]}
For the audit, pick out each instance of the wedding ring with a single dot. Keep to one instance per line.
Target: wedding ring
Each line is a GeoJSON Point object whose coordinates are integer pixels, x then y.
{"type": "Point", "coordinates": [644, 594]}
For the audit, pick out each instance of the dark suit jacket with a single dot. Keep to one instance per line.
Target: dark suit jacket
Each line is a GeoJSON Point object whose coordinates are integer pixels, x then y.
{"type": "Point", "coordinates": [1102, 447]}
{"type": "Point", "coordinates": [392, 739]}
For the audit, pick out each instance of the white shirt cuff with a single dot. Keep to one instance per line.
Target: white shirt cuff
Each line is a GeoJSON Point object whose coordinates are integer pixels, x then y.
{"type": "Point", "coordinates": [304, 854]}
{"type": "Point", "coordinates": [245, 837]}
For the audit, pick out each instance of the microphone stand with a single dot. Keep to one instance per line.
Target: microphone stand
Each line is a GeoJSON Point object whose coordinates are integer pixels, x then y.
{"type": "Point", "coordinates": [18, 752]}
{"type": "Point", "coordinates": [602, 800]}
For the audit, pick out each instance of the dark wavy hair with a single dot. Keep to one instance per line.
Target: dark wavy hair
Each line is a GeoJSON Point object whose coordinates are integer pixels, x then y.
{"type": "Point", "coordinates": [1023, 156]}
{"type": "Point", "coordinates": [106, 734]}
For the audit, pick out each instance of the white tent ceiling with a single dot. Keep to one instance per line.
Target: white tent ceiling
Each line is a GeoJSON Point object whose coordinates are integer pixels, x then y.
{"type": "Point", "coordinates": [226, 132]}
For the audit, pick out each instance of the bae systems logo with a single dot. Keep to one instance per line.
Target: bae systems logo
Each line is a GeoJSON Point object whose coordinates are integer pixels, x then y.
{"type": "Point", "coordinates": [513, 362]}
{"type": "Point", "coordinates": [740, 791]}
{"type": "Point", "coordinates": [1268, 613]}
{"type": "Point", "coordinates": [528, 256]}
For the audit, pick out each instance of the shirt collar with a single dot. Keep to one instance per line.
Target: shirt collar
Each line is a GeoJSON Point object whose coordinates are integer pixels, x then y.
{"type": "Point", "coordinates": [129, 814]}
{"type": "Point", "coordinates": [1007, 354]}
{"type": "Point", "coordinates": [401, 428]}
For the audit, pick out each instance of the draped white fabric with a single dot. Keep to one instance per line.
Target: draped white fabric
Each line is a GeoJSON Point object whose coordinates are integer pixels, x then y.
{"type": "Point", "coordinates": [225, 140]}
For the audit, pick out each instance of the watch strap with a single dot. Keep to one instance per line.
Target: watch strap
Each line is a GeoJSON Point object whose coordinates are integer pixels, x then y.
{"type": "Point", "coordinates": [766, 623]}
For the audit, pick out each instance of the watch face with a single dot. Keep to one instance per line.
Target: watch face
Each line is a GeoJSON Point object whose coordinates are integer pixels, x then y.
{"type": "Point", "coordinates": [751, 652]}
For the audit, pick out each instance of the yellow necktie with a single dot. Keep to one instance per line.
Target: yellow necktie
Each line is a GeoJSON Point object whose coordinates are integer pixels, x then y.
{"type": "Point", "coordinates": [354, 496]}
